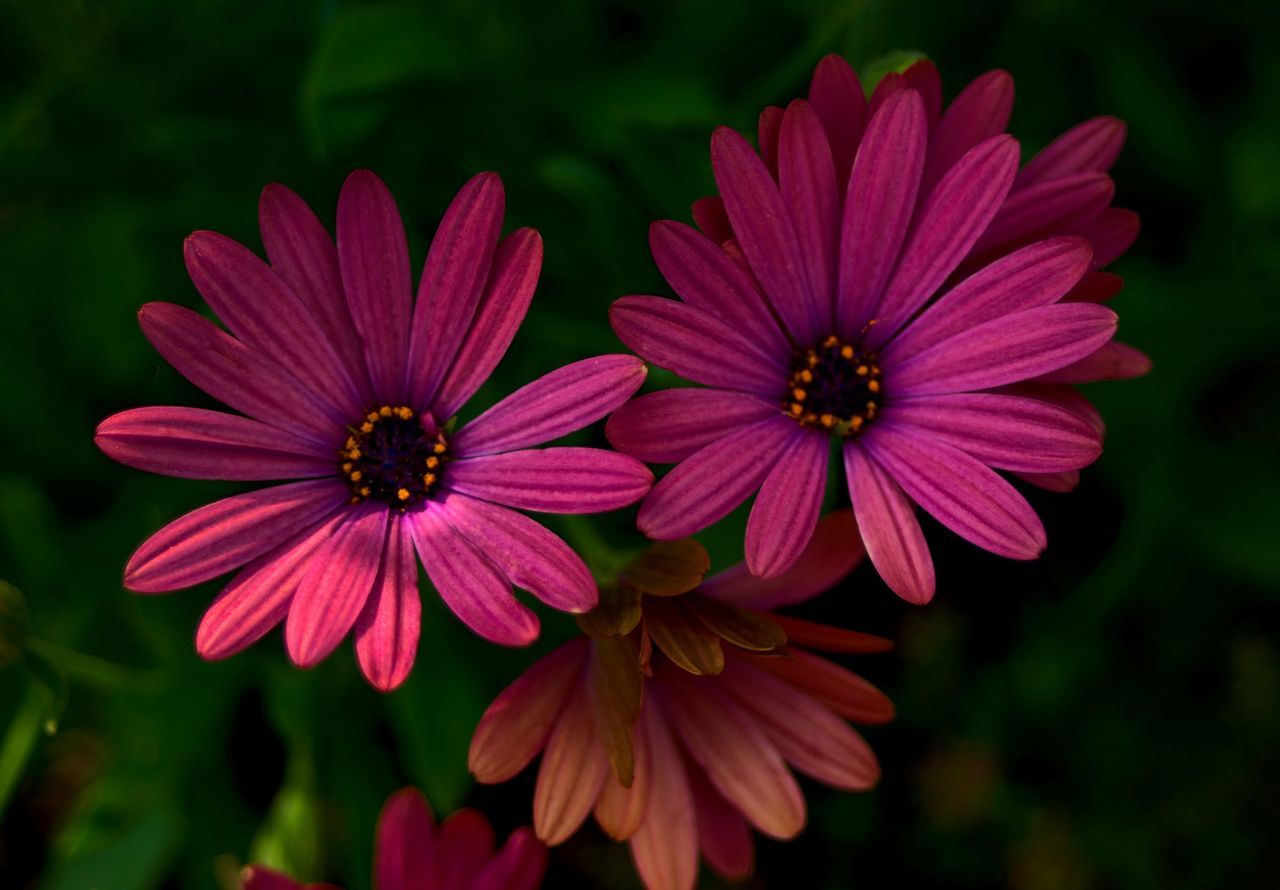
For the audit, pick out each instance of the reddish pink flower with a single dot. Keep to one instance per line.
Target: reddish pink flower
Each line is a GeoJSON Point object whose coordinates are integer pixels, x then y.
{"type": "Point", "coordinates": [679, 721]}
{"type": "Point", "coordinates": [882, 274]}
{"type": "Point", "coordinates": [413, 854]}
{"type": "Point", "coordinates": [349, 385]}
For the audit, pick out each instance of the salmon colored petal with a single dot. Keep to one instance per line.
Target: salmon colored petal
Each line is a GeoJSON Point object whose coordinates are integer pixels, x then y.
{"type": "Point", "coordinates": [573, 770]}
{"type": "Point", "coordinates": [386, 632]}
{"type": "Point", "coordinates": [723, 835]}
{"type": "Point", "coordinates": [813, 635]}
{"type": "Point", "coordinates": [843, 691]}
{"type": "Point", "coordinates": [665, 847]}
{"type": "Point", "coordinates": [621, 811]}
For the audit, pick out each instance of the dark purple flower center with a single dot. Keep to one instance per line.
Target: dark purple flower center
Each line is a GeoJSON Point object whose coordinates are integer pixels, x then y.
{"type": "Point", "coordinates": [392, 457]}
{"type": "Point", "coordinates": [834, 386]}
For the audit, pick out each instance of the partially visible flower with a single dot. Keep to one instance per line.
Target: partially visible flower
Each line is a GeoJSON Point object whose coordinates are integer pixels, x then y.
{"type": "Point", "coordinates": [412, 853]}
{"type": "Point", "coordinates": [350, 384]}
{"type": "Point", "coordinates": [678, 721]}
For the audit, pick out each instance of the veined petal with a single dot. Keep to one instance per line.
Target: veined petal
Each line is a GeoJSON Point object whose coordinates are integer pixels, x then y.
{"type": "Point", "coordinates": [573, 770]}
{"type": "Point", "coordinates": [1053, 207]}
{"type": "Point", "coordinates": [807, 179]}
{"type": "Point", "coordinates": [1111, 361]}
{"type": "Point", "coordinates": [768, 128]}
{"type": "Point", "coordinates": [1088, 147]}
{"type": "Point", "coordinates": [553, 480]}
{"type": "Point", "coordinates": [387, 629]}
{"type": "Point", "coordinates": [405, 851]}
{"type": "Point", "coordinates": [226, 534]}
{"type": "Point", "coordinates": [1111, 234]}
{"type": "Point", "coordinates": [723, 835]}
{"type": "Point", "coordinates": [453, 282]}
{"type": "Point", "coordinates": [621, 811]}
{"type": "Point", "coordinates": [670, 425]}
{"type": "Point", "coordinates": [838, 100]}
{"type": "Point", "coordinates": [555, 404]}
{"type": "Point", "coordinates": [980, 111]}
{"type": "Point", "coordinates": [890, 531]}
{"type": "Point", "coordinates": [665, 848]}
{"type": "Point", "coordinates": [786, 511]}
{"type": "Point", "coordinates": [829, 639]}
{"type": "Point", "coordinates": [843, 691]}
{"type": "Point", "coordinates": [197, 444]}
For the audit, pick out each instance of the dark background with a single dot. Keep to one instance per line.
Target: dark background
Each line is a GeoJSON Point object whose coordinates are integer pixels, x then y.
{"type": "Point", "coordinates": [1105, 717]}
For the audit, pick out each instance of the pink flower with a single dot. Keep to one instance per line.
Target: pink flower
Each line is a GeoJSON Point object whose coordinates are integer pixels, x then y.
{"type": "Point", "coordinates": [349, 385]}
{"type": "Point", "coordinates": [413, 854]}
{"type": "Point", "coordinates": [679, 721]}
{"type": "Point", "coordinates": [887, 287]}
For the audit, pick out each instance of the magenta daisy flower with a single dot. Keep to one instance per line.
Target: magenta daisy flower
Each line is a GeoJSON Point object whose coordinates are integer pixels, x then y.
{"type": "Point", "coordinates": [347, 384]}
{"type": "Point", "coordinates": [413, 853]}
{"type": "Point", "coordinates": [853, 298]}
{"type": "Point", "coordinates": [679, 722]}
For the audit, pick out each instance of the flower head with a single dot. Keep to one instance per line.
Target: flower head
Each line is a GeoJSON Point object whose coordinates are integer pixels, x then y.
{"type": "Point", "coordinates": [878, 276]}
{"type": "Point", "coordinates": [349, 384]}
{"type": "Point", "coordinates": [412, 853]}
{"type": "Point", "coordinates": [678, 721]}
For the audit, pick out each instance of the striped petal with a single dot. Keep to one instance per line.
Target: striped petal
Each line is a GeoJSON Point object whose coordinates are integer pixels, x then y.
{"type": "Point", "coordinates": [785, 512]}
{"type": "Point", "coordinates": [553, 480]}
{"type": "Point", "coordinates": [890, 531]}
{"type": "Point", "coordinates": [387, 629]}
{"type": "Point", "coordinates": [670, 425]}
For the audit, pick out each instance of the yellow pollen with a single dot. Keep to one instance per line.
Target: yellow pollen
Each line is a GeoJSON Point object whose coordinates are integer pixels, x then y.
{"type": "Point", "coordinates": [855, 422]}
{"type": "Point", "coordinates": [429, 479]}
{"type": "Point", "coordinates": [873, 385]}
{"type": "Point", "coordinates": [403, 494]}
{"type": "Point", "coordinates": [354, 453]}
{"type": "Point", "coordinates": [372, 415]}
{"type": "Point", "coordinates": [357, 476]}
{"type": "Point", "coordinates": [798, 394]}
{"type": "Point", "coordinates": [863, 370]}
{"type": "Point", "coordinates": [828, 420]}
{"type": "Point", "coordinates": [385, 410]}
{"type": "Point", "coordinates": [404, 413]}
{"type": "Point", "coordinates": [846, 352]}
{"type": "Point", "coordinates": [346, 468]}
{"type": "Point", "coordinates": [366, 427]}
{"type": "Point", "coordinates": [806, 376]}
{"type": "Point", "coordinates": [351, 441]}
{"type": "Point", "coordinates": [831, 341]}
{"type": "Point", "coordinates": [433, 462]}
{"type": "Point", "coordinates": [364, 492]}
{"type": "Point", "coordinates": [796, 408]}
{"type": "Point", "coordinates": [438, 448]}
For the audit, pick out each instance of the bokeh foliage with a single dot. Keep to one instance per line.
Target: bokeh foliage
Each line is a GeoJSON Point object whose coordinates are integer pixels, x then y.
{"type": "Point", "coordinates": [1106, 717]}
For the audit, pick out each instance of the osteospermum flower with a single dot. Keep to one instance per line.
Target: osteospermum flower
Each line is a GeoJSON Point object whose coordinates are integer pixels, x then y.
{"type": "Point", "coordinates": [412, 853]}
{"type": "Point", "coordinates": [679, 720]}
{"type": "Point", "coordinates": [850, 312]}
{"type": "Point", "coordinates": [347, 383]}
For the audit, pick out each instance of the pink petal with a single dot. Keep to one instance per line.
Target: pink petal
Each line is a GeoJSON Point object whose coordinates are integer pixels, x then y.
{"type": "Point", "coordinates": [553, 480]}
{"type": "Point", "coordinates": [878, 208]}
{"type": "Point", "coordinates": [197, 444]}
{"type": "Point", "coordinates": [890, 531]}
{"type": "Point", "coordinates": [708, 213]}
{"type": "Point", "coordinates": [519, 865]}
{"type": "Point", "coordinates": [705, 277]}
{"type": "Point", "coordinates": [621, 811]}
{"type": "Point", "coordinates": [527, 553]}
{"type": "Point", "coordinates": [668, 426]}
{"type": "Point", "coordinates": [960, 492]}
{"type": "Point", "coordinates": [466, 844]}
{"type": "Point", "coordinates": [1111, 234]}
{"type": "Point", "coordinates": [1095, 287]}
{"type": "Point", "coordinates": [515, 726]}
{"type": "Point", "coordinates": [302, 253]}
{"type": "Point", "coordinates": [723, 835]}
{"type": "Point", "coordinates": [888, 87]}
{"type": "Point", "coordinates": [406, 850]}
{"type": "Point", "coordinates": [807, 178]}
{"type": "Point", "coordinates": [236, 375]}
{"type": "Point", "coordinates": [707, 486]}
{"type": "Point", "coordinates": [258, 597]}
{"type": "Point", "coordinates": [950, 222]}
{"type": "Point", "coordinates": [980, 111]}
{"type": "Point", "coordinates": [266, 315]}
{"type": "Point", "coordinates": [1054, 207]}
{"type": "Point", "coordinates": [1111, 361]}
{"type": "Point", "coordinates": [573, 770]}
{"type": "Point", "coordinates": [923, 77]}
{"type": "Point", "coordinates": [387, 630]}
{"type": "Point", "coordinates": [517, 262]}
{"type": "Point", "coordinates": [767, 131]}
{"type": "Point", "coordinates": [832, 552]}
{"type": "Point", "coordinates": [665, 848]}
{"type": "Point", "coordinates": [1059, 483]}
{"type": "Point", "coordinates": [453, 282]}
{"type": "Point", "coordinates": [829, 639]}
{"type": "Point", "coordinates": [786, 510]}
{"type": "Point", "coordinates": [1088, 147]}
{"type": "Point", "coordinates": [696, 345]}
{"type": "Point", "coordinates": [844, 692]}
{"type": "Point", "coordinates": [470, 584]}
{"type": "Point", "coordinates": [765, 232]}
{"type": "Point", "coordinates": [554, 405]}
{"type": "Point", "coordinates": [1002, 431]}
{"type": "Point", "coordinates": [837, 98]}
{"type": "Point", "coordinates": [337, 584]}
{"type": "Point", "coordinates": [374, 259]}
{"type": "Point", "coordinates": [1066, 397]}
{"type": "Point", "coordinates": [228, 533]}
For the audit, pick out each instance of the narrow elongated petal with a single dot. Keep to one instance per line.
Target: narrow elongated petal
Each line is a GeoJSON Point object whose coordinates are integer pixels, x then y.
{"type": "Point", "coordinates": [573, 770]}
{"type": "Point", "coordinates": [768, 129]}
{"type": "Point", "coordinates": [665, 848]}
{"type": "Point", "coordinates": [1006, 432]}
{"type": "Point", "coordinates": [621, 811]}
{"type": "Point", "coordinates": [197, 444]}
{"type": "Point", "coordinates": [736, 755]}
{"type": "Point", "coordinates": [832, 552]}
{"type": "Point", "coordinates": [723, 835]}
{"type": "Point", "coordinates": [527, 553]}
{"type": "Point", "coordinates": [468, 838]}
{"type": "Point", "coordinates": [1095, 287]}
{"type": "Point", "coordinates": [812, 635]}
{"type": "Point", "coordinates": [515, 726]}
{"type": "Point", "coordinates": [470, 584]}
{"type": "Point", "coordinates": [553, 480]}
{"type": "Point", "coordinates": [236, 375]}
{"type": "Point", "coordinates": [265, 314]}
{"type": "Point", "coordinates": [1088, 147]}
{"type": "Point", "coordinates": [878, 208]}
{"type": "Point", "coordinates": [453, 282]}
{"type": "Point", "coordinates": [258, 597]}
{"type": "Point", "coordinates": [705, 487]}
{"type": "Point", "coordinates": [843, 691]}
{"type": "Point", "coordinates": [302, 253]}
{"type": "Point", "coordinates": [704, 276]}
{"type": "Point", "coordinates": [890, 530]}
{"type": "Point", "coordinates": [1053, 207]}
{"type": "Point", "coordinates": [951, 221]}
{"type": "Point", "coordinates": [558, 403]}
{"type": "Point", "coordinates": [387, 630]}
{"type": "Point", "coordinates": [373, 257]}
{"type": "Point", "coordinates": [710, 218]}
{"type": "Point", "coordinates": [337, 584]}
{"type": "Point", "coordinates": [838, 100]}
{"type": "Point", "coordinates": [1111, 361]}
{"type": "Point", "coordinates": [670, 425]}
{"type": "Point", "coordinates": [517, 262]}
{"type": "Point", "coordinates": [1036, 275]}
{"type": "Point", "coordinates": [1111, 234]}
{"type": "Point", "coordinates": [1066, 397]}
{"type": "Point", "coordinates": [764, 229]}
{"type": "Point", "coordinates": [741, 627]}
{"type": "Point", "coordinates": [683, 638]}
{"type": "Point", "coordinates": [980, 111]}
{"type": "Point", "coordinates": [1006, 350]}
{"type": "Point", "coordinates": [226, 534]}
{"type": "Point", "coordinates": [616, 688]}
{"type": "Point", "coordinates": [786, 510]}
{"type": "Point", "coordinates": [406, 849]}
{"type": "Point", "coordinates": [667, 568]}
{"type": "Point", "coordinates": [807, 179]}
{"type": "Point", "coordinates": [923, 77]}
{"type": "Point", "coordinates": [961, 493]}
{"type": "Point", "coordinates": [519, 865]}
{"type": "Point", "coordinates": [1060, 483]}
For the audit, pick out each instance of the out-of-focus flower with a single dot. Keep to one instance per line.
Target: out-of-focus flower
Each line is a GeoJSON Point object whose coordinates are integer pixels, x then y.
{"type": "Point", "coordinates": [679, 719]}
{"type": "Point", "coordinates": [349, 384]}
{"type": "Point", "coordinates": [892, 286]}
{"type": "Point", "coordinates": [412, 853]}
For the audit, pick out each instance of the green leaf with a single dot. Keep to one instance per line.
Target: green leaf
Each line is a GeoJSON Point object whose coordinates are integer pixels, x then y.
{"type": "Point", "coordinates": [890, 63]}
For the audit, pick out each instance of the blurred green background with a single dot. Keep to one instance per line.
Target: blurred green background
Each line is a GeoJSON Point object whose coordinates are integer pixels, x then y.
{"type": "Point", "coordinates": [1105, 717]}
